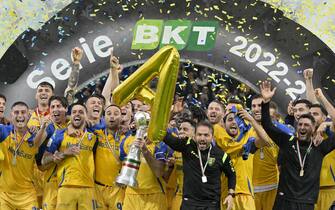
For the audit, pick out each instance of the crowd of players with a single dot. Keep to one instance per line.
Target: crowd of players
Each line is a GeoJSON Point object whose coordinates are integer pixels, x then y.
{"type": "Point", "coordinates": [66, 155]}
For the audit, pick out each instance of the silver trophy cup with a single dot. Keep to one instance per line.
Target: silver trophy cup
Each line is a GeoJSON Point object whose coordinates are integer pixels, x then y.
{"type": "Point", "coordinates": [132, 162]}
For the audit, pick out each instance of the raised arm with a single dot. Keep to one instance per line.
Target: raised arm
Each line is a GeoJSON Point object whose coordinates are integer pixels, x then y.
{"type": "Point", "coordinates": [113, 78]}
{"type": "Point", "coordinates": [42, 132]}
{"type": "Point", "coordinates": [310, 93]}
{"type": "Point", "coordinates": [156, 164]}
{"type": "Point", "coordinates": [70, 90]}
{"type": "Point", "coordinates": [262, 137]}
{"type": "Point", "coordinates": [328, 106]}
{"type": "Point", "coordinates": [274, 133]}
{"type": "Point", "coordinates": [176, 143]}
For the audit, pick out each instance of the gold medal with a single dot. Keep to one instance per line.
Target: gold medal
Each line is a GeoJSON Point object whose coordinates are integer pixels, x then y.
{"type": "Point", "coordinates": [261, 154]}
{"type": "Point", "coordinates": [14, 160]}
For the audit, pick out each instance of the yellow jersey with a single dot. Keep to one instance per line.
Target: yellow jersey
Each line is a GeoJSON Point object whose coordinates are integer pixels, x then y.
{"type": "Point", "coordinates": [75, 170]}
{"type": "Point", "coordinates": [243, 168]}
{"type": "Point", "coordinates": [108, 161]}
{"type": "Point", "coordinates": [179, 172]}
{"type": "Point", "coordinates": [266, 174]}
{"type": "Point", "coordinates": [327, 175]}
{"type": "Point", "coordinates": [35, 118]}
{"type": "Point", "coordinates": [17, 171]}
{"type": "Point", "coordinates": [148, 183]}
{"type": "Point", "coordinates": [50, 174]}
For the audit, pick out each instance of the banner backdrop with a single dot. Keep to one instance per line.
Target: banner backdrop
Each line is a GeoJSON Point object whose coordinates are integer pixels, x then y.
{"type": "Point", "coordinates": [248, 40]}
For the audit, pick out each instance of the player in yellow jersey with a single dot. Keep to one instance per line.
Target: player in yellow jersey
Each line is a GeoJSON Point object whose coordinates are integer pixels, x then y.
{"type": "Point", "coordinates": [3, 119]}
{"type": "Point", "coordinates": [226, 139]}
{"type": "Point", "coordinates": [150, 193]}
{"type": "Point", "coordinates": [43, 93]}
{"type": "Point", "coordinates": [108, 159]}
{"type": "Point", "coordinates": [58, 108]}
{"type": "Point", "coordinates": [75, 163]}
{"type": "Point", "coordinates": [186, 129]}
{"type": "Point", "coordinates": [231, 140]}
{"type": "Point", "coordinates": [265, 174]}
{"type": "Point", "coordinates": [327, 175]}
{"type": "Point", "coordinates": [215, 112]}
{"type": "Point", "coordinates": [19, 148]}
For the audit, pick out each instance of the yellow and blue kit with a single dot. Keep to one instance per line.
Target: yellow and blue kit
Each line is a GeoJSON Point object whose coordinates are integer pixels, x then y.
{"type": "Point", "coordinates": [244, 191]}
{"type": "Point", "coordinates": [108, 163]}
{"type": "Point", "coordinates": [16, 179]}
{"type": "Point", "coordinates": [150, 193]}
{"type": "Point", "coordinates": [75, 174]}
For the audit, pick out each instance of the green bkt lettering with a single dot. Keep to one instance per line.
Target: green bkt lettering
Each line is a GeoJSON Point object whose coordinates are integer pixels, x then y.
{"type": "Point", "coordinates": [194, 36]}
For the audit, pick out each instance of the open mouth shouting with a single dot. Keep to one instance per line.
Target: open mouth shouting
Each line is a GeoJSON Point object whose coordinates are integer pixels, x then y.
{"type": "Point", "coordinates": [202, 144]}
{"type": "Point", "coordinates": [44, 98]}
{"type": "Point", "coordinates": [20, 122]}
{"type": "Point", "coordinates": [257, 115]}
{"type": "Point", "coordinates": [212, 116]}
{"type": "Point", "coordinates": [302, 134]}
{"type": "Point", "coordinates": [56, 116]}
{"type": "Point", "coordinates": [233, 130]}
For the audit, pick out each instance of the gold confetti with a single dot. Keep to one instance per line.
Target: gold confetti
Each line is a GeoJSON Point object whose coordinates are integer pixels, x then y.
{"type": "Point", "coordinates": [217, 17]}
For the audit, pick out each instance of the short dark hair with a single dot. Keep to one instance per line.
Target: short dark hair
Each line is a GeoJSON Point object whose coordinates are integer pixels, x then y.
{"type": "Point", "coordinates": [257, 96]}
{"type": "Point", "coordinates": [112, 105]}
{"type": "Point", "coordinates": [187, 120]}
{"type": "Point", "coordinates": [308, 116]}
{"type": "Point", "coordinates": [226, 116]}
{"type": "Point", "coordinates": [303, 101]}
{"type": "Point", "coordinates": [46, 84]}
{"type": "Point", "coordinates": [19, 103]}
{"type": "Point", "coordinates": [78, 104]}
{"type": "Point", "coordinates": [206, 123]}
{"type": "Point", "coordinates": [3, 97]}
{"type": "Point", "coordinates": [61, 99]}
{"type": "Point", "coordinates": [323, 110]}
{"type": "Point", "coordinates": [96, 95]}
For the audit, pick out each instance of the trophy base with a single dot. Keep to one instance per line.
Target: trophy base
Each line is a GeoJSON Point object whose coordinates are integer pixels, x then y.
{"type": "Point", "coordinates": [126, 181]}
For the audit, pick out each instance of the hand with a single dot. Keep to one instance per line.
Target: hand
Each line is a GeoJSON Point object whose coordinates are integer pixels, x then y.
{"type": "Point", "coordinates": [57, 157]}
{"type": "Point", "coordinates": [245, 115]}
{"type": "Point", "coordinates": [323, 126]}
{"type": "Point", "coordinates": [33, 129]}
{"type": "Point", "coordinates": [308, 74]}
{"type": "Point", "coordinates": [266, 91]}
{"type": "Point", "coordinates": [140, 143]}
{"type": "Point", "coordinates": [73, 132]}
{"type": "Point", "coordinates": [290, 110]}
{"type": "Point", "coordinates": [171, 161]}
{"type": "Point", "coordinates": [229, 201]}
{"type": "Point", "coordinates": [319, 93]}
{"type": "Point", "coordinates": [45, 121]}
{"type": "Point", "coordinates": [114, 64]}
{"type": "Point", "coordinates": [72, 151]}
{"type": "Point", "coordinates": [178, 105]}
{"type": "Point", "coordinates": [77, 54]}
{"type": "Point", "coordinates": [317, 140]}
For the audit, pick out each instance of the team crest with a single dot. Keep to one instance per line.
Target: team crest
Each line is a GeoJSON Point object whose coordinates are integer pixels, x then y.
{"type": "Point", "coordinates": [89, 136]}
{"type": "Point", "coordinates": [211, 161]}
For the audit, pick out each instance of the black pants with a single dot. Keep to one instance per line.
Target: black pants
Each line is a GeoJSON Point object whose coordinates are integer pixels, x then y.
{"type": "Point", "coordinates": [281, 204]}
{"type": "Point", "coordinates": [189, 205]}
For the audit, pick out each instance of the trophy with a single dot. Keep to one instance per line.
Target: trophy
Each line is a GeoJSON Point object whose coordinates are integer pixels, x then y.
{"type": "Point", "coordinates": [132, 162]}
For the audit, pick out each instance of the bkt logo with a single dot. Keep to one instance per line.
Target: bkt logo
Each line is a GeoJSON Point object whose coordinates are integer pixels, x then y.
{"type": "Point", "coordinates": [195, 36]}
